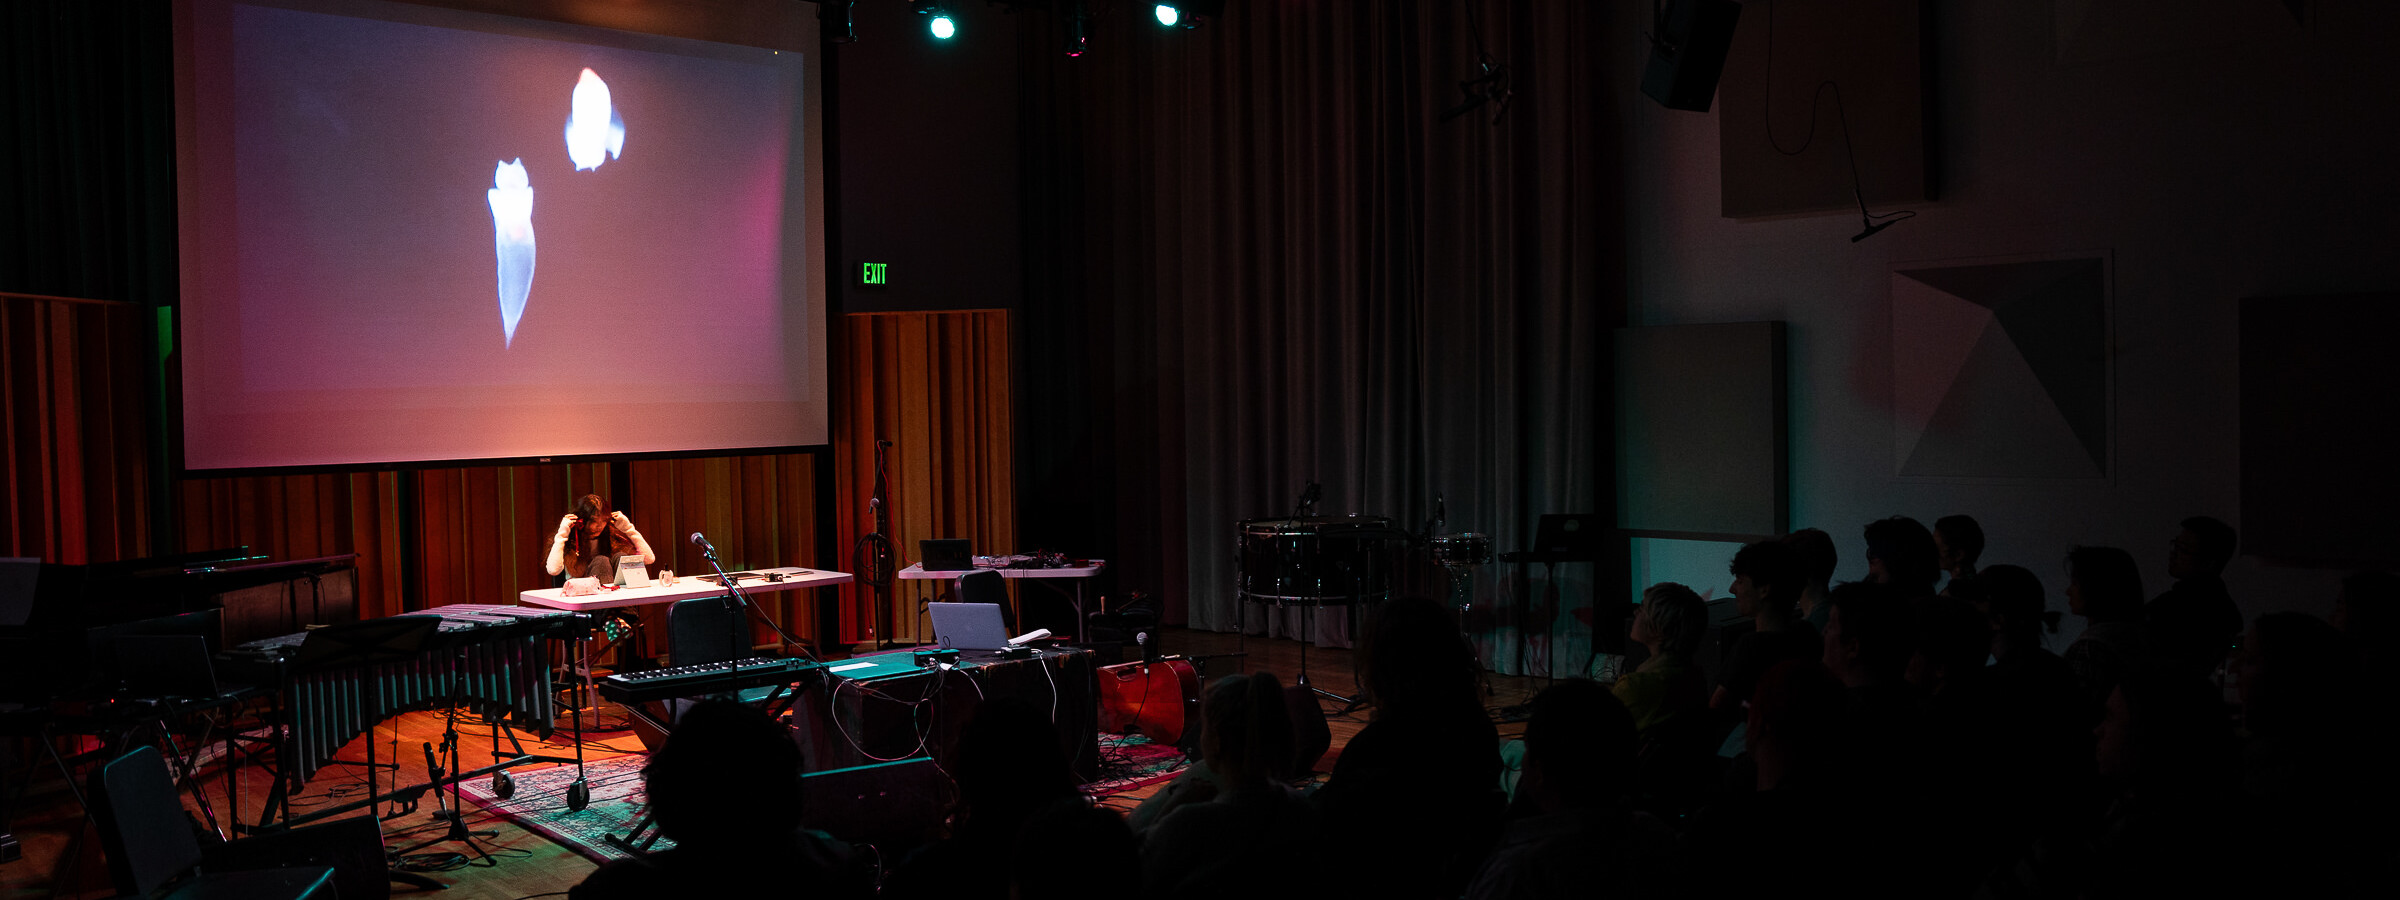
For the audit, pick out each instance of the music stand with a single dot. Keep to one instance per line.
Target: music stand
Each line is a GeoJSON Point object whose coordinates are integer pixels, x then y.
{"type": "Point", "coordinates": [1557, 538]}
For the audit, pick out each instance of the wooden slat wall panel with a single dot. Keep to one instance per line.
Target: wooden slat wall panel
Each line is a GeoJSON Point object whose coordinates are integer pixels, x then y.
{"type": "Point", "coordinates": [479, 534]}
{"type": "Point", "coordinates": [758, 511]}
{"type": "Point", "coordinates": [935, 384]}
{"type": "Point", "coordinates": [75, 449]}
{"type": "Point", "coordinates": [78, 438]}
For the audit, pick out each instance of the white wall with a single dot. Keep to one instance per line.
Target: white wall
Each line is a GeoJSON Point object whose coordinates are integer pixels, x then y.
{"type": "Point", "coordinates": [2207, 171]}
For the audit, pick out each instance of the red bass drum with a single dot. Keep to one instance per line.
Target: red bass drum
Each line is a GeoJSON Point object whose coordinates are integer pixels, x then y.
{"type": "Point", "coordinates": [1161, 700]}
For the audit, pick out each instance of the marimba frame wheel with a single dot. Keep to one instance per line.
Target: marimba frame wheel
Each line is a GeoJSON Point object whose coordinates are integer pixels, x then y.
{"type": "Point", "coordinates": [579, 796]}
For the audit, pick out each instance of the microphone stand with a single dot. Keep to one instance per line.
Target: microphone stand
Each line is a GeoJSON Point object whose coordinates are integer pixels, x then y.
{"type": "Point", "coordinates": [733, 590]}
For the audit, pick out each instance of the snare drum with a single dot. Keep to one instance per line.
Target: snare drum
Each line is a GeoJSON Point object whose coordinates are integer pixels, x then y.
{"type": "Point", "coordinates": [1463, 549]}
{"type": "Point", "coordinates": [1318, 560]}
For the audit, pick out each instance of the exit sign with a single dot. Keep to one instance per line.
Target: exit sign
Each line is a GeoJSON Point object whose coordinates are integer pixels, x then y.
{"type": "Point", "coordinates": [872, 273]}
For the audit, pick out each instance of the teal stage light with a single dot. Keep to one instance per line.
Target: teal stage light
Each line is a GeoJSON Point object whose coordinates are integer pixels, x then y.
{"type": "Point", "coordinates": [1188, 13]}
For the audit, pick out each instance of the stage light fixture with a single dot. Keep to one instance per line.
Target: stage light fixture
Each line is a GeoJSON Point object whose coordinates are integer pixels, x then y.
{"type": "Point", "coordinates": [1077, 21]}
{"type": "Point", "coordinates": [941, 25]}
{"type": "Point", "coordinates": [1188, 13]}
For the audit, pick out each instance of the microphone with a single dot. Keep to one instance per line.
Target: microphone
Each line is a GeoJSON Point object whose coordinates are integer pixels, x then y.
{"type": "Point", "coordinates": [1441, 513]}
{"type": "Point", "coordinates": [882, 443]}
{"type": "Point", "coordinates": [1310, 495]}
{"type": "Point", "coordinates": [701, 542]}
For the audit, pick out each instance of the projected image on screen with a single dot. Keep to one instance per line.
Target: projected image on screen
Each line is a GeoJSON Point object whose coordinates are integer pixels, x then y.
{"type": "Point", "coordinates": [345, 165]}
{"type": "Point", "coordinates": [512, 241]}
{"type": "Point", "coordinates": [594, 125]}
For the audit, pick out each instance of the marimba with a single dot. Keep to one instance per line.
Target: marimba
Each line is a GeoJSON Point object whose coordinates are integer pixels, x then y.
{"type": "Point", "coordinates": [493, 660]}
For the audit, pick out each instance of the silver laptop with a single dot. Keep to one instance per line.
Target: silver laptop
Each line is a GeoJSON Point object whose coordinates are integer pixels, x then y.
{"type": "Point", "coordinates": [968, 626]}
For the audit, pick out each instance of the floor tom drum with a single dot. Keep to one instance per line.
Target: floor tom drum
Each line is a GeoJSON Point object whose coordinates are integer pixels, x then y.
{"type": "Point", "coordinates": [1318, 560]}
{"type": "Point", "coordinates": [1463, 549]}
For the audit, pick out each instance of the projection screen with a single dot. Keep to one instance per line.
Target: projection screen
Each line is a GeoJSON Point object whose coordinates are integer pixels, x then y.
{"type": "Point", "coordinates": [414, 234]}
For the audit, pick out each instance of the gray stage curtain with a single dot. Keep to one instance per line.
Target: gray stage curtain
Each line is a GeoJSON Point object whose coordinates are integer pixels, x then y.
{"type": "Point", "coordinates": [1294, 268]}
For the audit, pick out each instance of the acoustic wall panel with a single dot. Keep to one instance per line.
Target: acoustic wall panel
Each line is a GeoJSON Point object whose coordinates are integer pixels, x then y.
{"type": "Point", "coordinates": [1700, 430]}
{"type": "Point", "coordinates": [1823, 105]}
{"type": "Point", "coordinates": [2000, 369]}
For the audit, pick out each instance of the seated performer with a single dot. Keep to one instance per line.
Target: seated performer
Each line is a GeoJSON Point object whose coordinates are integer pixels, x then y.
{"type": "Point", "coordinates": [589, 540]}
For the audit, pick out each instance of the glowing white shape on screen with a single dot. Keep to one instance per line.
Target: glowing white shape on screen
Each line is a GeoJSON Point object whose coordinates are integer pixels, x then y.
{"type": "Point", "coordinates": [511, 197]}
{"type": "Point", "coordinates": [595, 132]}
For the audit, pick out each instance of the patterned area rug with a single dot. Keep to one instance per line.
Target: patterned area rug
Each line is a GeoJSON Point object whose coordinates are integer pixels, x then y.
{"type": "Point", "coordinates": [1130, 762]}
{"type": "Point", "coordinates": [1127, 762]}
{"type": "Point", "coordinates": [540, 804]}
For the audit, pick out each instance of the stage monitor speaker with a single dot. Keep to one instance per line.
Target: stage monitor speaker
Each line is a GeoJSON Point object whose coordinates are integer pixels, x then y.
{"type": "Point", "coordinates": [352, 848]}
{"type": "Point", "coordinates": [1687, 52]}
{"type": "Point", "coordinates": [892, 805]}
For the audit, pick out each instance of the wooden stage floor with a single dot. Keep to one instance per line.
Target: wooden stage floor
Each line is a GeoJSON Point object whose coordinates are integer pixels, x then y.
{"type": "Point", "coordinates": [62, 854]}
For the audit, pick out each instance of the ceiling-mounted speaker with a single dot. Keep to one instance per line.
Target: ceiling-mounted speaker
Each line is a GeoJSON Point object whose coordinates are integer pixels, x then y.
{"type": "Point", "coordinates": [1687, 52]}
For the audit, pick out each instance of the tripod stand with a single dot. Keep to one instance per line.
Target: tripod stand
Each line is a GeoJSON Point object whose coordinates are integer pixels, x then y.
{"type": "Point", "coordinates": [456, 830]}
{"type": "Point", "coordinates": [871, 558]}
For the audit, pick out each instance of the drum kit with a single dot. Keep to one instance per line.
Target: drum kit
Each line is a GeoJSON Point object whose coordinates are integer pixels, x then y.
{"type": "Point", "coordinates": [1346, 560]}
{"type": "Point", "coordinates": [1342, 560]}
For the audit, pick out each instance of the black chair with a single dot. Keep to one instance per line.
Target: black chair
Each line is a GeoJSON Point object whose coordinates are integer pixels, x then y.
{"type": "Point", "coordinates": [706, 630]}
{"type": "Point", "coordinates": [985, 586]}
{"type": "Point", "coordinates": [150, 846]}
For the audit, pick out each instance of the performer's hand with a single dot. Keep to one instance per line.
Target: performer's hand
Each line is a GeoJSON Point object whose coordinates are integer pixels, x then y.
{"type": "Point", "coordinates": [618, 521]}
{"type": "Point", "coordinates": [566, 526]}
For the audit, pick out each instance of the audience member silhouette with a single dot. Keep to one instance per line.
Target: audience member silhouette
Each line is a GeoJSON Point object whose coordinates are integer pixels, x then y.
{"type": "Point", "coordinates": [1953, 641]}
{"type": "Point", "coordinates": [2039, 755]}
{"type": "Point", "coordinates": [2298, 684]}
{"type": "Point", "coordinates": [1766, 584]}
{"type": "Point", "coordinates": [1818, 560]}
{"type": "Point", "coordinates": [2192, 626]}
{"type": "Point", "coordinates": [2301, 700]}
{"type": "Point", "coordinates": [1901, 553]}
{"type": "Point", "coordinates": [1573, 820]}
{"type": "Point", "coordinates": [1806, 810]}
{"type": "Point", "coordinates": [1411, 804]}
{"type": "Point", "coordinates": [726, 788]}
{"type": "Point", "coordinates": [1867, 648]}
{"type": "Point", "coordinates": [2036, 691]}
{"type": "Point", "coordinates": [1072, 850]}
{"type": "Point", "coordinates": [2169, 826]}
{"type": "Point", "coordinates": [1959, 789]}
{"type": "Point", "coordinates": [1957, 544]}
{"type": "Point", "coordinates": [1670, 623]}
{"type": "Point", "coordinates": [1253, 836]}
{"type": "Point", "coordinates": [1009, 767]}
{"type": "Point", "coordinates": [2105, 588]}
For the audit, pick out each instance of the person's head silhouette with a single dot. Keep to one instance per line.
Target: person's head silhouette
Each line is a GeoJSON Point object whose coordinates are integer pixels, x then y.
{"type": "Point", "coordinates": [727, 774]}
